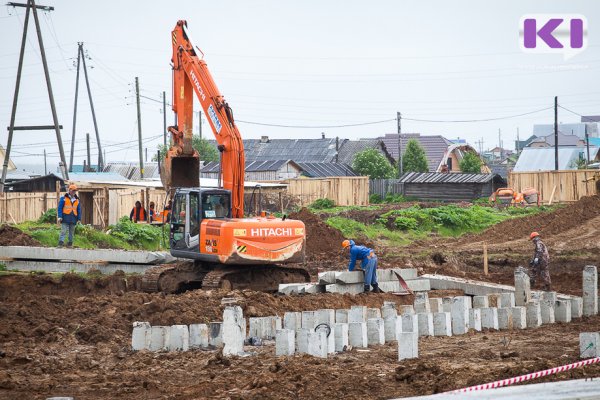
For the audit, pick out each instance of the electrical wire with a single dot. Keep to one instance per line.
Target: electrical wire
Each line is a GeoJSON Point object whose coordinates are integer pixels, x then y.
{"type": "Point", "coordinates": [478, 120]}
{"type": "Point", "coordinates": [315, 126]}
{"type": "Point", "coordinates": [582, 116]}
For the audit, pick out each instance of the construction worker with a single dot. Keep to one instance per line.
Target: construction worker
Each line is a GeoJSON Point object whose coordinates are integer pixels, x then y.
{"type": "Point", "coordinates": [540, 264]}
{"type": "Point", "coordinates": [368, 263]}
{"type": "Point", "coordinates": [138, 213]}
{"type": "Point", "coordinates": [69, 214]}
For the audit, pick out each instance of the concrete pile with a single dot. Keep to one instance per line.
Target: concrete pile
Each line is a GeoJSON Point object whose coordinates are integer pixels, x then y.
{"type": "Point", "coordinates": [353, 282]}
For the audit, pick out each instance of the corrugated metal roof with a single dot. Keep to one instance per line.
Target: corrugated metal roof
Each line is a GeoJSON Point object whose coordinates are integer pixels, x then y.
{"type": "Point", "coordinates": [576, 128]}
{"type": "Point", "coordinates": [16, 175]}
{"type": "Point", "coordinates": [131, 170]}
{"type": "Point", "coordinates": [93, 177]}
{"type": "Point", "coordinates": [324, 170]}
{"type": "Point", "coordinates": [435, 146]}
{"type": "Point", "coordinates": [436, 177]}
{"type": "Point", "coordinates": [299, 150]}
{"type": "Point", "coordinates": [349, 149]}
{"type": "Point", "coordinates": [563, 140]}
{"type": "Point", "coordinates": [251, 166]}
{"type": "Point", "coordinates": [542, 159]}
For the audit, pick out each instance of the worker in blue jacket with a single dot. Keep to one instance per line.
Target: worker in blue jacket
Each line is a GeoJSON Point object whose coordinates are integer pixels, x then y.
{"type": "Point", "coordinates": [69, 214]}
{"type": "Point", "coordinates": [368, 263]}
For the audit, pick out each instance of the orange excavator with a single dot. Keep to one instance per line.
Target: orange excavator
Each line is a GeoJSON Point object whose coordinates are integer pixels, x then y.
{"type": "Point", "coordinates": [207, 225]}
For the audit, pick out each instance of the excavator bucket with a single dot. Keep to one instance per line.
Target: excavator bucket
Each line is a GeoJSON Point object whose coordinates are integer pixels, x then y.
{"type": "Point", "coordinates": [180, 171]}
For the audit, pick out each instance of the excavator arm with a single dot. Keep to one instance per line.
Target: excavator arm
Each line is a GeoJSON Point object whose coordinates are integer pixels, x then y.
{"type": "Point", "coordinates": [181, 165]}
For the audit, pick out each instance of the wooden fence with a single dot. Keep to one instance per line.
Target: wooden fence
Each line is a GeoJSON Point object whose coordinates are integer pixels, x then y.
{"type": "Point", "coordinates": [344, 191]}
{"type": "Point", "coordinates": [384, 186]}
{"type": "Point", "coordinates": [568, 186]}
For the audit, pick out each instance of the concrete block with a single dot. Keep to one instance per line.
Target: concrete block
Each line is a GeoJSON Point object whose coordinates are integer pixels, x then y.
{"type": "Point", "coordinates": [302, 340]}
{"type": "Point", "coordinates": [576, 307]}
{"type": "Point", "coordinates": [312, 288]}
{"type": "Point", "coordinates": [325, 316]}
{"type": "Point", "coordinates": [534, 315]}
{"type": "Point", "coordinates": [347, 277]}
{"type": "Point", "coordinates": [141, 335]}
{"type": "Point", "coordinates": [309, 319]}
{"type": "Point", "coordinates": [447, 304]}
{"type": "Point", "coordinates": [292, 320]}
{"type": "Point", "coordinates": [522, 287]}
{"type": "Point", "coordinates": [233, 330]}
{"type": "Point", "coordinates": [460, 315]}
{"type": "Point", "coordinates": [507, 300]}
{"type": "Point", "coordinates": [562, 311]}
{"type": "Point", "coordinates": [357, 314]}
{"type": "Point", "coordinates": [285, 342]}
{"type": "Point", "coordinates": [549, 297]}
{"type": "Point", "coordinates": [329, 335]}
{"type": "Point", "coordinates": [326, 278]}
{"type": "Point", "coordinates": [547, 311]}
{"type": "Point", "coordinates": [80, 255]}
{"type": "Point", "coordinates": [352, 288]}
{"type": "Point", "coordinates": [198, 336]}
{"type": "Point", "coordinates": [494, 300]}
{"type": "Point", "coordinates": [442, 324]}
{"type": "Point", "coordinates": [425, 324]}
{"type": "Point", "coordinates": [373, 313]}
{"type": "Point", "coordinates": [386, 275]}
{"type": "Point", "coordinates": [264, 327]}
{"type": "Point", "coordinates": [179, 338]}
{"type": "Point", "coordinates": [519, 317]}
{"type": "Point", "coordinates": [489, 318]}
{"type": "Point", "coordinates": [408, 345]}
{"type": "Point", "coordinates": [340, 331]}
{"type": "Point", "coordinates": [375, 331]}
{"type": "Point", "coordinates": [505, 320]}
{"type": "Point", "coordinates": [416, 285]}
{"type": "Point", "coordinates": [392, 325]}
{"type": "Point", "coordinates": [475, 319]}
{"type": "Point", "coordinates": [215, 334]}
{"type": "Point", "coordinates": [341, 316]}
{"type": "Point", "coordinates": [435, 305]}
{"type": "Point", "coordinates": [159, 338]}
{"type": "Point", "coordinates": [589, 343]}
{"type": "Point", "coordinates": [590, 290]}
{"type": "Point", "coordinates": [388, 310]}
{"type": "Point", "coordinates": [407, 310]}
{"type": "Point", "coordinates": [422, 303]}
{"type": "Point", "coordinates": [481, 302]}
{"type": "Point", "coordinates": [470, 287]}
{"type": "Point", "coordinates": [357, 334]}
{"type": "Point", "coordinates": [291, 288]}
{"type": "Point", "coordinates": [317, 344]}
{"type": "Point", "coordinates": [410, 323]}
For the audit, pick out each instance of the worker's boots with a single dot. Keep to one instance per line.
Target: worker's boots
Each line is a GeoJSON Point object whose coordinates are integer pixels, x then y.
{"type": "Point", "coordinates": [69, 245]}
{"type": "Point", "coordinates": [376, 288]}
{"type": "Point", "coordinates": [367, 288]}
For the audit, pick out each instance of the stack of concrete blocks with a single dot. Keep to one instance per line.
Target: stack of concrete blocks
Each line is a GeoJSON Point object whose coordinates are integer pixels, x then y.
{"type": "Point", "coordinates": [234, 330]}
{"type": "Point", "coordinates": [489, 318]}
{"type": "Point", "coordinates": [589, 344]}
{"type": "Point", "coordinates": [392, 324]}
{"type": "Point", "coordinates": [534, 314]}
{"type": "Point", "coordinates": [141, 336]}
{"type": "Point", "coordinates": [576, 307]}
{"type": "Point", "coordinates": [425, 321]}
{"type": "Point", "coordinates": [522, 287]}
{"type": "Point", "coordinates": [301, 288]}
{"type": "Point", "coordinates": [590, 290]}
{"type": "Point", "coordinates": [375, 331]}
{"type": "Point", "coordinates": [340, 331]}
{"type": "Point", "coordinates": [408, 345]}
{"type": "Point", "coordinates": [519, 317]}
{"type": "Point", "coordinates": [442, 324]}
{"type": "Point", "coordinates": [179, 338]}
{"type": "Point", "coordinates": [264, 327]}
{"type": "Point", "coordinates": [460, 315]}
{"type": "Point", "coordinates": [357, 326]}
{"type": "Point", "coordinates": [159, 338]}
{"type": "Point", "coordinates": [562, 311]}
{"type": "Point", "coordinates": [547, 304]}
{"type": "Point", "coordinates": [505, 318]}
{"type": "Point", "coordinates": [215, 334]}
{"type": "Point", "coordinates": [198, 336]}
{"type": "Point", "coordinates": [325, 320]}
{"type": "Point", "coordinates": [285, 342]}
{"type": "Point", "coordinates": [317, 343]}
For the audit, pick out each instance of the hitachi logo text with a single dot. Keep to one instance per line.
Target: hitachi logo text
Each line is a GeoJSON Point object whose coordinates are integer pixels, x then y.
{"type": "Point", "coordinates": [271, 231]}
{"type": "Point", "coordinates": [197, 83]}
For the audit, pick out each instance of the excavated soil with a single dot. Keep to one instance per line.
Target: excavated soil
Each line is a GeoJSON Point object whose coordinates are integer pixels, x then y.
{"type": "Point", "coordinates": [10, 236]}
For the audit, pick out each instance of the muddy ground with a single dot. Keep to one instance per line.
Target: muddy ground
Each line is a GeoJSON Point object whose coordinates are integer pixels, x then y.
{"type": "Point", "coordinates": [71, 336]}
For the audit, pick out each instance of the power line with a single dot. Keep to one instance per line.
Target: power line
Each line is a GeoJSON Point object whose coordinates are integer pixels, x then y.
{"type": "Point", "coordinates": [478, 120]}
{"type": "Point", "coordinates": [582, 116]}
{"type": "Point", "coordinates": [316, 126]}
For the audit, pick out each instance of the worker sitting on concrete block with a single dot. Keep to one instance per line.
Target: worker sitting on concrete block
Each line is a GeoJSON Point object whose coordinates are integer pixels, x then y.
{"type": "Point", "coordinates": [368, 263]}
{"type": "Point", "coordinates": [540, 264]}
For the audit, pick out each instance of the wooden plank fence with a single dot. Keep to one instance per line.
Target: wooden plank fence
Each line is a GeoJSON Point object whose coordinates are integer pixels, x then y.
{"type": "Point", "coordinates": [570, 185]}
{"type": "Point", "coordinates": [344, 191]}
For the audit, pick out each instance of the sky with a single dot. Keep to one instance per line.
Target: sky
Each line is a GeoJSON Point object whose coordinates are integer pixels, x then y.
{"type": "Point", "coordinates": [295, 69]}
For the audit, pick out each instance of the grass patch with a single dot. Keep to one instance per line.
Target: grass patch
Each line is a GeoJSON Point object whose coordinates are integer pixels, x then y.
{"type": "Point", "coordinates": [341, 209]}
{"type": "Point", "coordinates": [355, 229]}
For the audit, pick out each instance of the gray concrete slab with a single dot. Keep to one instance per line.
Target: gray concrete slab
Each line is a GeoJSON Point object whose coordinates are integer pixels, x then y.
{"type": "Point", "coordinates": [80, 255]}
{"type": "Point", "coordinates": [580, 389]}
{"type": "Point", "coordinates": [53, 266]}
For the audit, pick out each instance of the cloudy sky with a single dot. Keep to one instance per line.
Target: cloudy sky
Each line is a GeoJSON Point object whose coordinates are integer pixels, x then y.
{"type": "Point", "coordinates": [294, 69]}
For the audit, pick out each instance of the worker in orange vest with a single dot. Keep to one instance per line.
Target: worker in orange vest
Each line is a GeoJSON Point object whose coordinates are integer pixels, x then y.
{"type": "Point", "coordinates": [138, 213]}
{"type": "Point", "coordinates": [69, 214]}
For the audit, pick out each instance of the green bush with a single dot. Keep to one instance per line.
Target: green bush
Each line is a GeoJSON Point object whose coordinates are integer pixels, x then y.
{"type": "Point", "coordinates": [2, 267]}
{"type": "Point", "coordinates": [375, 199]}
{"type": "Point", "coordinates": [393, 198]}
{"type": "Point", "coordinates": [321, 204]}
{"type": "Point", "coordinates": [406, 223]}
{"type": "Point", "coordinates": [49, 217]}
{"type": "Point", "coordinates": [139, 235]}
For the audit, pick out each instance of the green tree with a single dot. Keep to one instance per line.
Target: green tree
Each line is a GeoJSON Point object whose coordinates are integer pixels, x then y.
{"type": "Point", "coordinates": [470, 164]}
{"type": "Point", "coordinates": [205, 149]}
{"type": "Point", "coordinates": [372, 163]}
{"type": "Point", "coordinates": [414, 159]}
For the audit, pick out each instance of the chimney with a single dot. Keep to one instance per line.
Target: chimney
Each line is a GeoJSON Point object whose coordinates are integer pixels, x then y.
{"type": "Point", "coordinates": [264, 139]}
{"type": "Point", "coordinates": [322, 135]}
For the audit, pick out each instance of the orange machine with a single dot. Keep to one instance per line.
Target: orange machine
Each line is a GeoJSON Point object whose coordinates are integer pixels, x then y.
{"type": "Point", "coordinates": [207, 224]}
{"type": "Point", "coordinates": [505, 197]}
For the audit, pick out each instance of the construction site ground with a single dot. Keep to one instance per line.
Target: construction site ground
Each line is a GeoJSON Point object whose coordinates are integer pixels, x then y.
{"type": "Point", "coordinates": [70, 335]}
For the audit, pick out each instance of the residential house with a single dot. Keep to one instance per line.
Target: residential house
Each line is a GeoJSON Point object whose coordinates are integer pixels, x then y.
{"type": "Point", "coordinates": [577, 128]}
{"type": "Point", "coordinates": [274, 170]}
{"type": "Point", "coordinates": [563, 140]}
{"type": "Point", "coordinates": [349, 149]}
{"type": "Point", "coordinates": [542, 159]}
{"type": "Point", "coordinates": [30, 184]}
{"type": "Point", "coordinates": [521, 144]}
{"type": "Point", "coordinates": [450, 187]}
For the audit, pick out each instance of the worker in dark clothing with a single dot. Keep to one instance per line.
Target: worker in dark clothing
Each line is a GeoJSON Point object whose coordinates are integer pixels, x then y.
{"type": "Point", "coordinates": [540, 264]}
{"type": "Point", "coordinates": [138, 213]}
{"type": "Point", "coordinates": [368, 263]}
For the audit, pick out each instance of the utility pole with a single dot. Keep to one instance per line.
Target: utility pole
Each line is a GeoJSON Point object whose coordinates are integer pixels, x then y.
{"type": "Point", "coordinates": [587, 145]}
{"type": "Point", "coordinates": [89, 158]}
{"type": "Point", "coordinates": [400, 166]}
{"type": "Point", "coordinates": [164, 119]}
{"type": "Point", "coordinates": [46, 165]}
{"type": "Point", "coordinates": [200, 123]}
{"type": "Point", "coordinates": [518, 141]}
{"type": "Point", "coordinates": [556, 133]}
{"type": "Point", "coordinates": [139, 119]}
{"type": "Point", "coordinates": [75, 109]}
{"type": "Point", "coordinates": [32, 8]}
{"type": "Point", "coordinates": [87, 83]}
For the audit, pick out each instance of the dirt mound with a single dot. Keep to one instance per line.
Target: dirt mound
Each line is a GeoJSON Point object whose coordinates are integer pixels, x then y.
{"type": "Point", "coordinates": [321, 238]}
{"type": "Point", "coordinates": [547, 224]}
{"type": "Point", "coordinates": [10, 236]}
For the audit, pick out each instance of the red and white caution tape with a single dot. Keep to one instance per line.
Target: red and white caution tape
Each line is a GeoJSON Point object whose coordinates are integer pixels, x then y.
{"type": "Point", "coordinates": [527, 377]}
